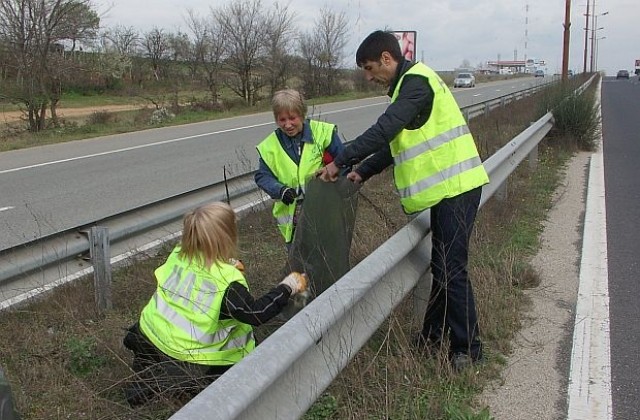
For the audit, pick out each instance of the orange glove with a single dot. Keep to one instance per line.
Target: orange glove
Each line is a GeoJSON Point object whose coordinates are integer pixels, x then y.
{"type": "Point", "coordinates": [237, 264]}
{"type": "Point", "coordinates": [297, 282]}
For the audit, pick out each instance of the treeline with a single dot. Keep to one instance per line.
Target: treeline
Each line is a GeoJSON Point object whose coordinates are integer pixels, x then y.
{"type": "Point", "coordinates": [49, 47]}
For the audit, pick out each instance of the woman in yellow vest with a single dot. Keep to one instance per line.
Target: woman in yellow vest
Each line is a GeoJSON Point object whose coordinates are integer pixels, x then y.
{"type": "Point", "coordinates": [199, 321]}
{"type": "Point", "coordinates": [292, 154]}
{"type": "Point", "coordinates": [423, 134]}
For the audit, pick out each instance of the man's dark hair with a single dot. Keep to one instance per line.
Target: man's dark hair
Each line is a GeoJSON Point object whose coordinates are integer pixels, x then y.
{"type": "Point", "coordinates": [375, 44]}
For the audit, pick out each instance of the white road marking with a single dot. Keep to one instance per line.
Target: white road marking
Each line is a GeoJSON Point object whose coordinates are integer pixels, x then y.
{"type": "Point", "coordinates": [142, 146]}
{"type": "Point", "coordinates": [590, 374]}
{"type": "Point", "coordinates": [5, 208]}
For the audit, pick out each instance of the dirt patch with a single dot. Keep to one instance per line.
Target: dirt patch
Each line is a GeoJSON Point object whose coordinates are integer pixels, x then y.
{"type": "Point", "coordinates": [8, 117]}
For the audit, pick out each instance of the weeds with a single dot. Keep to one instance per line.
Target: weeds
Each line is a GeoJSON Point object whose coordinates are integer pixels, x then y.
{"type": "Point", "coordinates": [83, 359]}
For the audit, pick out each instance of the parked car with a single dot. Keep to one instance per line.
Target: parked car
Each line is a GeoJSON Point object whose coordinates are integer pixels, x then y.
{"type": "Point", "coordinates": [622, 74]}
{"type": "Point", "coordinates": [464, 80]}
{"type": "Point", "coordinates": [538, 73]}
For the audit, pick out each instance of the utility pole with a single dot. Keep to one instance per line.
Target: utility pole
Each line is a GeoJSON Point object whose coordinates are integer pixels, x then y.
{"type": "Point", "coordinates": [586, 37]}
{"type": "Point", "coordinates": [593, 34]}
{"type": "Point", "coordinates": [567, 32]}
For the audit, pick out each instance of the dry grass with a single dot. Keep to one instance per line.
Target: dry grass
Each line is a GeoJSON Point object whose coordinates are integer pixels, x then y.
{"type": "Point", "coordinates": [66, 361]}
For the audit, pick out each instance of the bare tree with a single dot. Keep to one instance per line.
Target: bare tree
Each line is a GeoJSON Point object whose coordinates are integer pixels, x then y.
{"type": "Point", "coordinates": [323, 52]}
{"type": "Point", "coordinates": [125, 40]}
{"type": "Point", "coordinates": [244, 25]}
{"type": "Point", "coordinates": [331, 32]}
{"type": "Point", "coordinates": [309, 48]}
{"type": "Point", "coordinates": [117, 47]}
{"type": "Point", "coordinates": [156, 47]}
{"type": "Point", "coordinates": [209, 47]}
{"type": "Point", "coordinates": [280, 34]}
{"type": "Point", "coordinates": [34, 31]}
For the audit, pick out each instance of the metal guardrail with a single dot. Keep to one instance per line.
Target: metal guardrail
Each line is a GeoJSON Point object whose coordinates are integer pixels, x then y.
{"type": "Point", "coordinates": [312, 348]}
{"type": "Point", "coordinates": [483, 108]}
{"type": "Point", "coordinates": [74, 244]}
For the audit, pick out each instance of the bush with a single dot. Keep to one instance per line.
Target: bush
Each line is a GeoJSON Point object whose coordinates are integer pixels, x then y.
{"type": "Point", "coordinates": [576, 117]}
{"type": "Point", "coordinates": [101, 117]}
{"type": "Point", "coordinates": [161, 115]}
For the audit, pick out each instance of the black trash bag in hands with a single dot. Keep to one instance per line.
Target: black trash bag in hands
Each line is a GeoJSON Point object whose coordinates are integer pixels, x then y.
{"type": "Point", "coordinates": [322, 237]}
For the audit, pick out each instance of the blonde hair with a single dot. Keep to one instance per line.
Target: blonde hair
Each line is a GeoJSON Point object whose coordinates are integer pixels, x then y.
{"type": "Point", "coordinates": [288, 100]}
{"type": "Point", "coordinates": [209, 234]}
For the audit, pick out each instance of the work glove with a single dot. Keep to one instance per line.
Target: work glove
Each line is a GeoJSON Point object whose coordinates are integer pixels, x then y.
{"type": "Point", "coordinates": [237, 264]}
{"type": "Point", "coordinates": [288, 195]}
{"type": "Point", "coordinates": [297, 282]}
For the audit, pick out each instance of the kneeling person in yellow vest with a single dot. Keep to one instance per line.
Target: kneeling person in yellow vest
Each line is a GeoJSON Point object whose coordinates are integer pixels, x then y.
{"type": "Point", "coordinates": [198, 322]}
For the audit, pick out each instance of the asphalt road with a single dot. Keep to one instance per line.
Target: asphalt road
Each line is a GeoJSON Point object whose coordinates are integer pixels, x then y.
{"type": "Point", "coordinates": [621, 140]}
{"type": "Point", "coordinates": [56, 187]}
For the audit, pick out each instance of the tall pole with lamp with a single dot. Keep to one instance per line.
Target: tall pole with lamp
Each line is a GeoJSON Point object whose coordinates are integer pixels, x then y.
{"type": "Point", "coordinates": [586, 39]}
{"type": "Point", "coordinates": [598, 49]}
{"type": "Point", "coordinates": [565, 48]}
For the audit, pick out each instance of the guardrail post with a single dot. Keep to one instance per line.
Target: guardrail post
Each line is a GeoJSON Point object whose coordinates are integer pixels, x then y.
{"type": "Point", "coordinates": [101, 259]}
{"type": "Point", "coordinates": [501, 192]}
{"type": "Point", "coordinates": [421, 294]}
{"type": "Point", "coordinates": [533, 157]}
{"type": "Point", "coordinates": [487, 109]}
{"type": "Point", "coordinates": [503, 102]}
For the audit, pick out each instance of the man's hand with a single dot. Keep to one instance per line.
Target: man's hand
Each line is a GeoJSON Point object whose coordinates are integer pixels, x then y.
{"type": "Point", "coordinates": [329, 173]}
{"type": "Point", "coordinates": [354, 177]}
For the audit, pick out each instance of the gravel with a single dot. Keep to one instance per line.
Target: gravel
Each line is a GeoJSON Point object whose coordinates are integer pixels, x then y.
{"type": "Point", "coordinates": [534, 381]}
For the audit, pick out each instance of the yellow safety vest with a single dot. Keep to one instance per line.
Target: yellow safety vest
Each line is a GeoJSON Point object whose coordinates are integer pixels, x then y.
{"type": "Point", "coordinates": [438, 160]}
{"type": "Point", "coordinates": [182, 319]}
{"type": "Point", "coordinates": [292, 175]}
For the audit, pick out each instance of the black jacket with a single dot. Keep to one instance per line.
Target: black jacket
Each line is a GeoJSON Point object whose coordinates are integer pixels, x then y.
{"type": "Point", "coordinates": [411, 109]}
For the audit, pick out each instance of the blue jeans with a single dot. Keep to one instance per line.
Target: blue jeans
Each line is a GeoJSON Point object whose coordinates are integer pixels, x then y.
{"type": "Point", "coordinates": [451, 312]}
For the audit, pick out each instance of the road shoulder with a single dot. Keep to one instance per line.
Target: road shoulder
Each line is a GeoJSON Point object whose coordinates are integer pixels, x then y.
{"type": "Point", "coordinates": [534, 381]}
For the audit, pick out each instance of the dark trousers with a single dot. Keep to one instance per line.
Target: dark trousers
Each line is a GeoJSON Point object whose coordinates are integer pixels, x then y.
{"type": "Point", "coordinates": [157, 374]}
{"type": "Point", "coordinates": [451, 312]}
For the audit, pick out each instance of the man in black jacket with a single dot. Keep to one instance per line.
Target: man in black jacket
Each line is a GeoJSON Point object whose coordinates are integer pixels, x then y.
{"type": "Point", "coordinates": [437, 167]}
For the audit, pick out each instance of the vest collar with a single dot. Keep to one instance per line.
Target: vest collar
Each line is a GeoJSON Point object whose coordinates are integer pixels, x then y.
{"type": "Point", "coordinates": [400, 70]}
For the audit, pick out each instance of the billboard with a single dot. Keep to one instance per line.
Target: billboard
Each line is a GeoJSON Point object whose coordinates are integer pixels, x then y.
{"type": "Point", "coordinates": [407, 41]}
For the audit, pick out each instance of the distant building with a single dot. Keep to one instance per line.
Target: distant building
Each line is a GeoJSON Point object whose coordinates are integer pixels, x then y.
{"type": "Point", "coordinates": [516, 66]}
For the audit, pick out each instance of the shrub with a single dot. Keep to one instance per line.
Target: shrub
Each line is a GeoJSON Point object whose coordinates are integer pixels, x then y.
{"type": "Point", "coordinates": [576, 117]}
{"type": "Point", "coordinates": [101, 118]}
{"type": "Point", "coordinates": [161, 115]}
{"type": "Point", "coordinates": [82, 357]}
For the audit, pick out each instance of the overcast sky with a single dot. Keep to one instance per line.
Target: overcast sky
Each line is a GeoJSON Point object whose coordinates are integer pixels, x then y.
{"type": "Point", "coordinates": [449, 31]}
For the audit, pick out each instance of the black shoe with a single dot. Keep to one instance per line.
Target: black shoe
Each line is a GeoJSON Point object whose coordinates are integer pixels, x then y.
{"type": "Point", "coordinates": [463, 361]}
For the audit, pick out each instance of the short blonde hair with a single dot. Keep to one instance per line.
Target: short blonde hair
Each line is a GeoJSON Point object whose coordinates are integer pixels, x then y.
{"type": "Point", "coordinates": [288, 100]}
{"type": "Point", "coordinates": [209, 234]}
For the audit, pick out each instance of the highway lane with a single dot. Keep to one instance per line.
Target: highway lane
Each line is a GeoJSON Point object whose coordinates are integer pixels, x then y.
{"type": "Point", "coordinates": [55, 187]}
{"type": "Point", "coordinates": [621, 147]}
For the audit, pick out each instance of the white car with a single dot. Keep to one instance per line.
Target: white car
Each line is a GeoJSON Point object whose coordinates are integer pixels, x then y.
{"type": "Point", "coordinates": [464, 80]}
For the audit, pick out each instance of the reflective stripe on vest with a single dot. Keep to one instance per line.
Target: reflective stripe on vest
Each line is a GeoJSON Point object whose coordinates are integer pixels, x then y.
{"type": "Point", "coordinates": [438, 160]}
{"type": "Point", "coordinates": [182, 317]}
{"type": "Point", "coordinates": [292, 175]}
